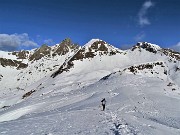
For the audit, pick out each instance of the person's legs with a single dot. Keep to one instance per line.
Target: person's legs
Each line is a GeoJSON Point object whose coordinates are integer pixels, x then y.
{"type": "Point", "coordinates": [103, 107]}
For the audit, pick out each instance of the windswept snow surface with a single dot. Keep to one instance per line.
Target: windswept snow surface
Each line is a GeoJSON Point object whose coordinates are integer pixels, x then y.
{"type": "Point", "coordinates": [7, 55]}
{"type": "Point", "coordinates": [135, 105]}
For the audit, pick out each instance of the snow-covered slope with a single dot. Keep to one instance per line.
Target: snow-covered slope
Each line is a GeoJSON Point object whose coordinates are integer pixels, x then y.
{"type": "Point", "coordinates": [20, 69]}
{"type": "Point", "coordinates": [61, 89]}
{"type": "Point", "coordinates": [136, 104]}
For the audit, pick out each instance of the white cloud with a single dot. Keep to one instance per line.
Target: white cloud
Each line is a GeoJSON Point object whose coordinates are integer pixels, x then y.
{"type": "Point", "coordinates": [176, 47]}
{"type": "Point", "coordinates": [142, 15]}
{"type": "Point", "coordinates": [40, 40]}
{"type": "Point", "coordinates": [10, 42]}
{"type": "Point", "coordinates": [49, 41]}
{"type": "Point", "coordinates": [29, 43]}
{"type": "Point", "coordinates": [140, 36]}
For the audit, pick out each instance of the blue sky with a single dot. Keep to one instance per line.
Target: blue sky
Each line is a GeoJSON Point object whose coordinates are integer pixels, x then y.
{"type": "Point", "coordinates": [26, 24]}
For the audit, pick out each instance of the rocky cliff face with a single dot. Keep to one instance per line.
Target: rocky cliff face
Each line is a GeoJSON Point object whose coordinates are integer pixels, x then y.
{"type": "Point", "coordinates": [64, 47]}
{"type": "Point", "coordinates": [171, 54]}
{"type": "Point", "coordinates": [43, 51]}
{"type": "Point", "coordinates": [98, 47]}
{"type": "Point", "coordinates": [147, 46]}
{"type": "Point", "coordinates": [34, 65]}
{"type": "Point", "coordinates": [30, 66]}
{"type": "Point", "coordinates": [155, 49]}
{"type": "Point", "coordinates": [12, 63]}
{"type": "Point", "coordinates": [93, 48]}
{"type": "Point", "coordinates": [21, 54]}
{"type": "Point", "coordinates": [59, 50]}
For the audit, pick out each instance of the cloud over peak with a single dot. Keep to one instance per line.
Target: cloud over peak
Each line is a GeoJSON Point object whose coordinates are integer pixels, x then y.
{"type": "Point", "coordinates": [139, 37]}
{"type": "Point", "coordinates": [142, 15]}
{"type": "Point", "coordinates": [176, 47]}
{"type": "Point", "coordinates": [11, 42]}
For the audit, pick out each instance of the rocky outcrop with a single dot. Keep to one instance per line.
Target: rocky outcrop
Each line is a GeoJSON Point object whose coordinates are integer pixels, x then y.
{"type": "Point", "coordinates": [28, 94]}
{"type": "Point", "coordinates": [89, 51]}
{"type": "Point", "coordinates": [97, 48]}
{"type": "Point", "coordinates": [138, 68]}
{"type": "Point", "coordinates": [1, 76]}
{"type": "Point", "coordinates": [63, 68]}
{"type": "Point", "coordinates": [134, 69]}
{"type": "Point", "coordinates": [12, 63]}
{"type": "Point", "coordinates": [171, 54]}
{"type": "Point", "coordinates": [22, 66]}
{"type": "Point", "coordinates": [44, 50]}
{"type": "Point", "coordinates": [64, 47]}
{"type": "Point", "coordinates": [21, 54]}
{"type": "Point", "coordinates": [147, 46]}
{"type": "Point", "coordinates": [155, 48]}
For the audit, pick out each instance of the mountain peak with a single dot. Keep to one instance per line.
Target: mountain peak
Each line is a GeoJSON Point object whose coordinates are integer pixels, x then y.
{"type": "Point", "coordinates": [95, 45]}
{"type": "Point", "coordinates": [44, 50]}
{"type": "Point", "coordinates": [147, 46]}
{"type": "Point", "coordinates": [94, 48]}
{"type": "Point", "coordinates": [66, 41]}
{"type": "Point", "coordinates": [64, 47]}
{"type": "Point", "coordinates": [91, 42]}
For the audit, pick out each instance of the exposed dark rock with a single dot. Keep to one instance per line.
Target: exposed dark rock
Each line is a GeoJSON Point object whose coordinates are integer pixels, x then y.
{"type": "Point", "coordinates": [64, 47]}
{"type": "Point", "coordinates": [144, 45]}
{"type": "Point", "coordinates": [177, 69]}
{"type": "Point", "coordinates": [22, 66]}
{"type": "Point", "coordinates": [5, 106]}
{"type": "Point", "coordinates": [87, 52]}
{"type": "Point", "coordinates": [1, 76]}
{"type": "Point", "coordinates": [82, 54]}
{"type": "Point", "coordinates": [137, 46]}
{"type": "Point", "coordinates": [90, 52]}
{"type": "Point", "coordinates": [13, 63]}
{"type": "Point", "coordinates": [149, 47]}
{"type": "Point", "coordinates": [107, 76]}
{"type": "Point", "coordinates": [171, 54]}
{"type": "Point", "coordinates": [64, 68]}
{"type": "Point", "coordinates": [21, 55]}
{"type": "Point", "coordinates": [134, 69]}
{"type": "Point", "coordinates": [165, 72]}
{"type": "Point", "coordinates": [28, 94]}
{"type": "Point", "coordinates": [99, 46]}
{"type": "Point", "coordinates": [8, 62]}
{"type": "Point", "coordinates": [170, 84]}
{"type": "Point", "coordinates": [44, 50]}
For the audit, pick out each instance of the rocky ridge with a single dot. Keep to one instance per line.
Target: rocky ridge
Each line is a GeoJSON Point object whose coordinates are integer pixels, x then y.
{"type": "Point", "coordinates": [93, 48]}
{"type": "Point", "coordinates": [60, 58]}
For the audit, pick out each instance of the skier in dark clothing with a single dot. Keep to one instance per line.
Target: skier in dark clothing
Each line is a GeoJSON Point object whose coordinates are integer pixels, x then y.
{"type": "Point", "coordinates": [103, 101]}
